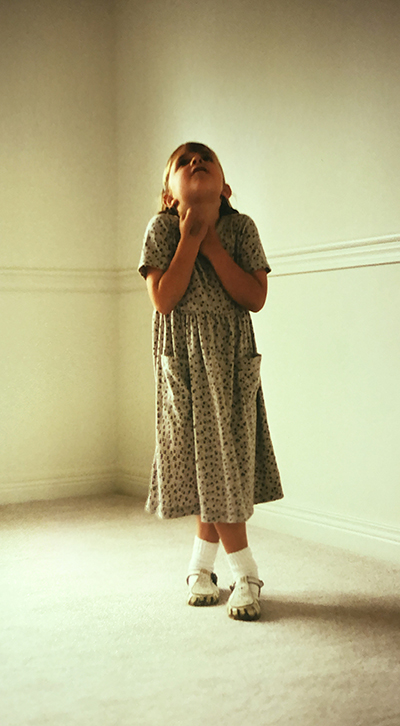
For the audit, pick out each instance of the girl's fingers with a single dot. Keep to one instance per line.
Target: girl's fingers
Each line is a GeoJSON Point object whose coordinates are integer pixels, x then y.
{"type": "Point", "coordinates": [187, 215]}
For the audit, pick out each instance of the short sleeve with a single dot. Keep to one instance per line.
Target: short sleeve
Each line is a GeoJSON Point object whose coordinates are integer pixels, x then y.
{"type": "Point", "coordinates": [160, 241]}
{"type": "Point", "coordinates": [250, 253]}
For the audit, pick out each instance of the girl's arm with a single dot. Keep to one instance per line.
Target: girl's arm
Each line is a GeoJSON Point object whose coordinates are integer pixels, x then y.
{"type": "Point", "coordinates": [249, 289]}
{"type": "Point", "coordinates": [166, 288]}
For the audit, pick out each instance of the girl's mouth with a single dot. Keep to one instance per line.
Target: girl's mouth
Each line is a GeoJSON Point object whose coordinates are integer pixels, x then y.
{"type": "Point", "coordinates": [199, 168]}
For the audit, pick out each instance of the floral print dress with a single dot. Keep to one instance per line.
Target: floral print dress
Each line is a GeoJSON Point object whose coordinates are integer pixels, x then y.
{"type": "Point", "coordinates": [214, 455]}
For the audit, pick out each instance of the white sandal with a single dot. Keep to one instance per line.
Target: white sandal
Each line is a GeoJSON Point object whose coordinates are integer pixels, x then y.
{"type": "Point", "coordinates": [243, 603]}
{"type": "Point", "coordinates": [204, 590]}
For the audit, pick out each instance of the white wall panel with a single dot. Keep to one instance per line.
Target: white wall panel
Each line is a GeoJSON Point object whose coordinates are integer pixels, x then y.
{"type": "Point", "coordinates": [300, 100]}
{"type": "Point", "coordinates": [331, 345]}
{"type": "Point", "coordinates": [58, 316]}
{"type": "Point", "coordinates": [57, 127]}
{"type": "Point", "coordinates": [58, 374]}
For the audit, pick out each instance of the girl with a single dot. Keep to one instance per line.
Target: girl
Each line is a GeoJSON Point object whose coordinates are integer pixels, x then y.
{"type": "Point", "coordinates": [205, 270]}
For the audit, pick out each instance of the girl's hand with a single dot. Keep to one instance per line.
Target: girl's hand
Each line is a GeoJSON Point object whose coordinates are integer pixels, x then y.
{"type": "Point", "coordinates": [192, 226]}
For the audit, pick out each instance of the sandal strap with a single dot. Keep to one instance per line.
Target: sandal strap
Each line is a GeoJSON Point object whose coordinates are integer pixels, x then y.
{"type": "Point", "coordinates": [213, 576]}
{"type": "Point", "coordinates": [251, 581]}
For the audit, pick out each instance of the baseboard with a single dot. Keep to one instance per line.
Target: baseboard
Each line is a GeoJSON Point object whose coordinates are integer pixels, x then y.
{"type": "Point", "coordinates": [348, 533]}
{"type": "Point", "coordinates": [58, 486]}
{"type": "Point", "coordinates": [73, 484]}
{"type": "Point", "coordinates": [358, 536]}
{"type": "Point", "coordinates": [134, 485]}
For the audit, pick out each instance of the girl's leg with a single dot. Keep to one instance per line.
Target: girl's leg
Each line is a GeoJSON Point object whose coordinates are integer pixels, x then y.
{"type": "Point", "coordinates": [234, 539]}
{"type": "Point", "coordinates": [232, 536]}
{"type": "Point", "coordinates": [206, 531]}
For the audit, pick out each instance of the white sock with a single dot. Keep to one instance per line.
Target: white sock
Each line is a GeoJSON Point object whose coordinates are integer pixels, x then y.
{"type": "Point", "coordinates": [203, 555]}
{"type": "Point", "coordinates": [243, 563]}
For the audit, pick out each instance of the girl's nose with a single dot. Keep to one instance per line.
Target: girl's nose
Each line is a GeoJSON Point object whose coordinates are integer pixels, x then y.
{"type": "Point", "coordinates": [196, 159]}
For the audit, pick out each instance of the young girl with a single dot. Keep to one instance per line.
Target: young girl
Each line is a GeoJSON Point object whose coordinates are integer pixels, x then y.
{"type": "Point", "coordinates": [205, 270]}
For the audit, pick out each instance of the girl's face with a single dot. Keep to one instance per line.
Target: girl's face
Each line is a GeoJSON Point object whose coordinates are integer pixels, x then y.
{"type": "Point", "coordinates": [195, 176]}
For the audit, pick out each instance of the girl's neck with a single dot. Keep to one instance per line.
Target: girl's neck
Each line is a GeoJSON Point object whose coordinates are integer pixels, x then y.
{"type": "Point", "coordinates": [205, 210]}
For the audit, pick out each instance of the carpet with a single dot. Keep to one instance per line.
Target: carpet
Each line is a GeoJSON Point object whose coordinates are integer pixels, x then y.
{"type": "Point", "coordinates": [95, 628]}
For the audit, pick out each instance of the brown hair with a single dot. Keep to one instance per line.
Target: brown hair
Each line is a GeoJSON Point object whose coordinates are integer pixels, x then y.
{"type": "Point", "coordinates": [193, 146]}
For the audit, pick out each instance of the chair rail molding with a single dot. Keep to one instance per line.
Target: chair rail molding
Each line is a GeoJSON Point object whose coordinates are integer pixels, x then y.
{"type": "Point", "coordinates": [319, 258]}
{"type": "Point", "coordinates": [58, 280]}
{"type": "Point", "coordinates": [336, 256]}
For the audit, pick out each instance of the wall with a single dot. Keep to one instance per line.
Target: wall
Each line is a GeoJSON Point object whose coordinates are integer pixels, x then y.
{"type": "Point", "coordinates": [58, 311]}
{"type": "Point", "coordinates": [300, 100]}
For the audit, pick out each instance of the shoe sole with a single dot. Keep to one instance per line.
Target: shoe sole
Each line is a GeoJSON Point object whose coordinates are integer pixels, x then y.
{"type": "Point", "coordinates": [203, 600]}
{"type": "Point", "coordinates": [249, 613]}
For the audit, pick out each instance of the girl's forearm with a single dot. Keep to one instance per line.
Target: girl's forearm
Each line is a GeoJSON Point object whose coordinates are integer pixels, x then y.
{"type": "Point", "coordinates": [167, 288]}
{"type": "Point", "coordinates": [246, 288]}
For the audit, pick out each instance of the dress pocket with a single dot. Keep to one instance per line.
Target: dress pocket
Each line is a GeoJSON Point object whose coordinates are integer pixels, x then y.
{"type": "Point", "coordinates": [175, 384]}
{"type": "Point", "coordinates": [249, 375]}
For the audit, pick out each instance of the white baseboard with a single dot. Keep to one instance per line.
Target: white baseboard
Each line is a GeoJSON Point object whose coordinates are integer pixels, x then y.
{"type": "Point", "coordinates": [355, 535]}
{"type": "Point", "coordinates": [58, 486]}
{"type": "Point", "coordinates": [358, 536]}
{"type": "Point", "coordinates": [134, 485]}
{"type": "Point", "coordinates": [73, 484]}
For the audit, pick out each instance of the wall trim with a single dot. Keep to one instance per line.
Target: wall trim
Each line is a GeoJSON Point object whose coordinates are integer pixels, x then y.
{"type": "Point", "coordinates": [20, 488]}
{"type": "Point", "coordinates": [336, 256]}
{"type": "Point", "coordinates": [129, 280]}
{"type": "Point", "coordinates": [58, 280]}
{"type": "Point", "coordinates": [359, 536]}
{"type": "Point", "coordinates": [77, 281]}
{"type": "Point", "coordinates": [320, 258]}
{"type": "Point", "coordinates": [134, 485]}
{"type": "Point", "coordinates": [348, 533]}
{"type": "Point", "coordinates": [58, 486]}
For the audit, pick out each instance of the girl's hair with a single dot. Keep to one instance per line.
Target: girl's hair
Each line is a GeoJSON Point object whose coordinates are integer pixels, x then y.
{"type": "Point", "coordinates": [192, 146]}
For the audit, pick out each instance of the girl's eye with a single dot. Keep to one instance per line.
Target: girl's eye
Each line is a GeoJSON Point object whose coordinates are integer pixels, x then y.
{"type": "Point", "coordinates": [182, 161]}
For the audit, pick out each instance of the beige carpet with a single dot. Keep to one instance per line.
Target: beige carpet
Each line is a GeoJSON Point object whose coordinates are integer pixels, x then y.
{"type": "Point", "coordinates": [95, 629]}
